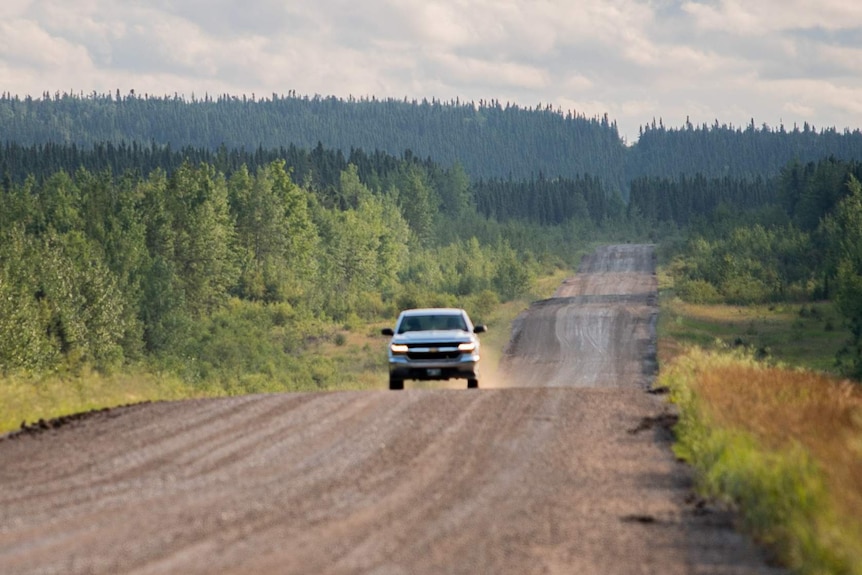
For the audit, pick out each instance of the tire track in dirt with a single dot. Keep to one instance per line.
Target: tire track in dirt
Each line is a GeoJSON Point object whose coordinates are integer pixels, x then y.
{"type": "Point", "coordinates": [604, 319]}
{"type": "Point", "coordinates": [567, 471]}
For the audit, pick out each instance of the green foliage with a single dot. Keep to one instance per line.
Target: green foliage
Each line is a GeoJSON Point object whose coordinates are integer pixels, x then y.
{"type": "Point", "coordinates": [737, 152]}
{"type": "Point", "coordinates": [481, 305]}
{"type": "Point", "coordinates": [203, 237]}
{"type": "Point", "coordinates": [513, 276]}
{"type": "Point", "coordinates": [24, 319]}
{"type": "Point", "coordinates": [813, 252]}
{"type": "Point", "coordinates": [363, 251]}
{"type": "Point", "coordinates": [844, 230]}
{"type": "Point", "coordinates": [751, 265]}
{"type": "Point", "coordinates": [276, 239]}
{"type": "Point", "coordinates": [697, 291]}
{"type": "Point", "coordinates": [205, 274]}
{"type": "Point", "coordinates": [419, 203]}
{"type": "Point", "coordinates": [548, 202]}
{"type": "Point", "coordinates": [61, 301]}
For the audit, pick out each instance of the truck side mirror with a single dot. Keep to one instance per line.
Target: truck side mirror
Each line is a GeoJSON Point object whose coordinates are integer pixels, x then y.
{"type": "Point", "coordinates": [481, 328]}
{"type": "Point", "coordinates": [387, 331]}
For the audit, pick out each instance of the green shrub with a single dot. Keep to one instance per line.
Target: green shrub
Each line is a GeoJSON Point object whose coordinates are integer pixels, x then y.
{"type": "Point", "coordinates": [481, 305]}
{"type": "Point", "coordinates": [745, 290]}
{"type": "Point", "coordinates": [697, 291]}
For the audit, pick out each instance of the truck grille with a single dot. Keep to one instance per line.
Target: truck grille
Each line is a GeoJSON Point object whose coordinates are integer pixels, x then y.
{"type": "Point", "coordinates": [433, 352]}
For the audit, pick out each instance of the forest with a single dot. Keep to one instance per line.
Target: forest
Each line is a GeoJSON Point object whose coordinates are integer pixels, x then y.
{"type": "Point", "coordinates": [223, 268]}
{"type": "Point", "coordinates": [489, 138]}
{"type": "Point", "coordinates": [163, 234]}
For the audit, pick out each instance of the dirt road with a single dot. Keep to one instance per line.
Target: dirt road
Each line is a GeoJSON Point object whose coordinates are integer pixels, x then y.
{"type": "Point", "coordinates": [568, 471]}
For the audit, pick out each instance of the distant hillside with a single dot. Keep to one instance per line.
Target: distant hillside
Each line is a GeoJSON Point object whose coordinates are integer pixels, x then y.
{"type": "Point", "coordinates": [489, 139]}
{"type": "Point", "coordinates": [720, 151]}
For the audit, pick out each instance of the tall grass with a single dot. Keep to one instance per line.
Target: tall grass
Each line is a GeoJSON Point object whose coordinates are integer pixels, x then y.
{"type": "Point", "coordinates": [784, 446]}
{"type": "Point", "coordinates": [26, 398]}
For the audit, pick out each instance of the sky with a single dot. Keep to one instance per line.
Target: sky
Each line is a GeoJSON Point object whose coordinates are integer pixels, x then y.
{"type": "Point", "coordinates": [774, 61]}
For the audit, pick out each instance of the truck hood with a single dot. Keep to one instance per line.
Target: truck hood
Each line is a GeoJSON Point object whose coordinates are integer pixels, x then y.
{"type": "Point", "coordinates": [433, 336]}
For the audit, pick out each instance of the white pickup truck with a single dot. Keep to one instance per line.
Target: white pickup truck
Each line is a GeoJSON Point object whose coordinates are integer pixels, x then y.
{"type": "Point", "coordinates": [434, 344]}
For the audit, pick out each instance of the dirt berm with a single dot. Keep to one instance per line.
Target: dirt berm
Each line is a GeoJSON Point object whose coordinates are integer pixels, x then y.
{"type": "Point", "coordinates": [566, 470]}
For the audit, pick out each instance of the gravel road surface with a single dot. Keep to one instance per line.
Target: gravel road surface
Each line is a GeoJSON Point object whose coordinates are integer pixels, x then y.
{"type": "Point", "coordinates": [567, 469]}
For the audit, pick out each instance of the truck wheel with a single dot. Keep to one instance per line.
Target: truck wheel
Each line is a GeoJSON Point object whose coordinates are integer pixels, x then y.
{"type": "Point", "coordinates": [396, 383]}
{"type": "Point", "coordinates": [472, 384]}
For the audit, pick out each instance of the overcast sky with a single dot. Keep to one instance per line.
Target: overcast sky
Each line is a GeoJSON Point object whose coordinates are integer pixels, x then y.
{"type": "Point", "coordinates": [777, 61]}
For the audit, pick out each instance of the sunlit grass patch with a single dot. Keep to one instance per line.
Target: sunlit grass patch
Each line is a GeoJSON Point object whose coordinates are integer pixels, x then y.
{"type": "Point", "coordinates": [544, 287]}
{"type": "Point", "coordinates": [359, 355]}
{"type": "Point", "coordinates": [28, 398]}
{"type": "Point", "coordinates": [801, 335]}
{"type": "Point", "coordinates": [784, 446]}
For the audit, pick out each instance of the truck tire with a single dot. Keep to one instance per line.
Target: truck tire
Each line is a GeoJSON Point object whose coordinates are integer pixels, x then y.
{"type": "Point", "coordinates": [472, 384]}
{"type": "Point", "coordinates": [396, 383]}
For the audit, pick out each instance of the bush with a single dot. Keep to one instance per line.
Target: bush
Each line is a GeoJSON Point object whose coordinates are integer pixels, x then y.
{"type": "Point", "coordinates": [745, 290]}
{"type": "Point", "coordinates": [481, 305]}
{"type": "Point", "coordinates": [697, 291]}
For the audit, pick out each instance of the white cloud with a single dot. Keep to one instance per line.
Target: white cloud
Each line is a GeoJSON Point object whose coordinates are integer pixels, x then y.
{"type": "Point", "coordinates": [633, 59]}
{"type": "Point", "coordinates": [10, 10]}
{"type": "Point", "coordinates": [491, 73]}
{"type": "Point", "coordinates": [729, 16]}
{"type": "Point", "coordinates": [576, 83]}
{"type": "Point", "coordinates": [744, 17]}
{"type": "Point", "coordinates": [822, 100]}
{"type": "Point", "coordinates": [439, 25]}
{"type": "Point", "coordinates": [798, 109]}
{"type": "Point", "coordinates": [26, 45]}
{"type": "Point", "coordinates": [850, 59]}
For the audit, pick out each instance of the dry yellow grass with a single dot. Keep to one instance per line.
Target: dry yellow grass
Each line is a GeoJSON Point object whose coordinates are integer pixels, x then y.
{"type": "Point", "coordinates": [782, 407]}
{"type": "Point", "coordinates": [784, 445]}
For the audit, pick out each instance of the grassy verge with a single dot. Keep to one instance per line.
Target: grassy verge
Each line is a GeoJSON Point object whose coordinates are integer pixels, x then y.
{"type": "Point", "coordinates": [784, 446]}
{"type": "Point", "coordinates": [800, 335]}
{"type": "Point", "coordinates": [28, 398]}
{"type": "Point", "coordinates": [348, 357]}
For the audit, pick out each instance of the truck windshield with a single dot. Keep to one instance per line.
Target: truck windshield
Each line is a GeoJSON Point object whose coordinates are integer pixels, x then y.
{"type": "Point", "coordinates": [431, 322]}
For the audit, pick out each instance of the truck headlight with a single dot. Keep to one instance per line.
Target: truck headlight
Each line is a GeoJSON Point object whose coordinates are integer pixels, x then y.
{"type": "Point", "coordinates": [398, 348]}
{"type": "Point", "coordinates": [467, 346]}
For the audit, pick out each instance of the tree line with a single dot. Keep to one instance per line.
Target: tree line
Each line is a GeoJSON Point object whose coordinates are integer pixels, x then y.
{"type": "Point", "coordinates": [548, 201]}
{"type": "Point", "coordinates": [490, 139]}
{"type": "Point", "coordinates": [738, 152]}
{"type": "Point", "coordinates": [537, 200]}
{"type": "Point", "coordinates": [687, 199]}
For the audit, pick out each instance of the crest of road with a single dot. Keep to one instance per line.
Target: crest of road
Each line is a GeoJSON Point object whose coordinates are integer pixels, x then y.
{"type": "Point", "coordinates": [565, 467]}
